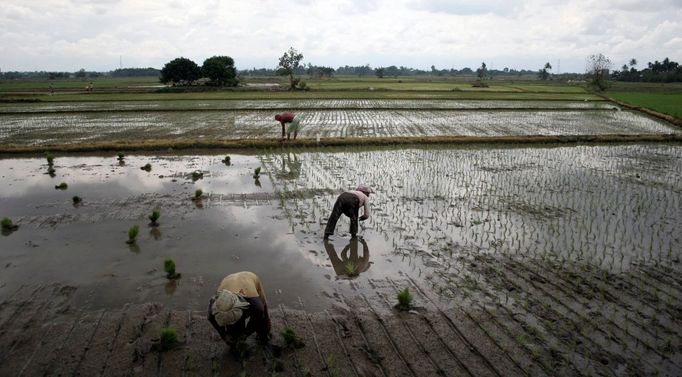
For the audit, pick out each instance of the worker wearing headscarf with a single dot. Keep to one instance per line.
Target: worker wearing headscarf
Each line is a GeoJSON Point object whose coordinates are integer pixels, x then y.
{"type": "Point", "coordinates": [240, 308]}
{"type": "Point", "coordinates": [349, 204]}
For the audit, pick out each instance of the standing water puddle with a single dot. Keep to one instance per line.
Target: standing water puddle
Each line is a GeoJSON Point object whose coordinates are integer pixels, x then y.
{"type": "Point", "coordinates": [237, 225]}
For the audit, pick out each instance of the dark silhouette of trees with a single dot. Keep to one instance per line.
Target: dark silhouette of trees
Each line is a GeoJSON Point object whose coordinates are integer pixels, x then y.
{"type": "Point", "coordinates": [543, 73]}
{"type": "Point", "coordinates": [220, 71]}
{"type": "Point", "coordinates": [181, 71]}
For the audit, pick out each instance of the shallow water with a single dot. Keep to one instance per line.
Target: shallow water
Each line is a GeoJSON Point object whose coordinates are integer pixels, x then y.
{"type": "Point", "coordinates": [236, 226]}
{"type": "Point", "coordinates": [606, 206]}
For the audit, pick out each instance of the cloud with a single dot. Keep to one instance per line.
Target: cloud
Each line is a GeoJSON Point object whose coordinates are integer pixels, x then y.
{"type": "Point", "coordinates": [67, 35]}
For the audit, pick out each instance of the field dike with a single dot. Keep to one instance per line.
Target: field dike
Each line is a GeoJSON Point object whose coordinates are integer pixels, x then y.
{"type": "Point", "coordinates": [255, 144]}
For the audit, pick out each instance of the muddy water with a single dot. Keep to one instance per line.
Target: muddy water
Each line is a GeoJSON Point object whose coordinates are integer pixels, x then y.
{"type": "Point", "coordinates": [237, 225]}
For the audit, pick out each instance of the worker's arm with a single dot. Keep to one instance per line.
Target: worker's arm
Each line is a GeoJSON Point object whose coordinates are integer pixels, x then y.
{"type": "Point", "coordinates": [365, 215]}
{"type": "Point", "coordinates": [261, 294]}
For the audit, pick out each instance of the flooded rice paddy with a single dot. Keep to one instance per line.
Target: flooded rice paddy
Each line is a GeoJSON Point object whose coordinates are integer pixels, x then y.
{"type": "Point", "coordinates": [567, 259]}
{"type": "Point", "coordinates": [73, 128]}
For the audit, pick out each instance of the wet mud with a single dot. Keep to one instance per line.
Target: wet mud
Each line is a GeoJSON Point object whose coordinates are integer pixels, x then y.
{"type": "Point", "coordinates": [497, 289]}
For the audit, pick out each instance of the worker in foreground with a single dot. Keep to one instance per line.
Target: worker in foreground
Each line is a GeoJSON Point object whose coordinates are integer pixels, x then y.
{"type": "Point", "coordinates": [240, 308]}
{"type": "Point", "coordinates": [349, 204]}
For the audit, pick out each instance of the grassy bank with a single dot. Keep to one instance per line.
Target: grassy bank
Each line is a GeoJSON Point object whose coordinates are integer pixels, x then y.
{"type": "Point", "coordinates": [667, 103]}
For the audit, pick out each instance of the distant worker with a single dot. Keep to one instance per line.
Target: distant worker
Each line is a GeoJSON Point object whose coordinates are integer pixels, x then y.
{"type": "Point", "coordinates": [239, 309]}
{"type": "Point", "coordinates": [294, 126]}
{"type": "Point", "coordinates": [349, 204]}
{"type": "Point", "coordinates": [283, 119]}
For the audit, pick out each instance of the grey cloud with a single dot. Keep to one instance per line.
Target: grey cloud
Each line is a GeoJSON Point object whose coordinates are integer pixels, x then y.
{"type": "Point", "coordinates": [464, 7]}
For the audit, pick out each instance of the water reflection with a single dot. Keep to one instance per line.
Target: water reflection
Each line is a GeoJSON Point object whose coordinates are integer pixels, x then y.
{"type": "Point", "coordinates": [350, 264]}
{"type": "Point", "coordinates": [155, 233]}
{"type": "Point", "coordinates": [291, 168]}
{"type": "Point", "coordinates": [134, 247]}
{"type": "Point", "coordinates": [171, 286]}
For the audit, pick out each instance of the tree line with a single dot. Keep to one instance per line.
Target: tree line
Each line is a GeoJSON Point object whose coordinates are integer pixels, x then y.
{"type": "Point", "coordinates": [665, 71]}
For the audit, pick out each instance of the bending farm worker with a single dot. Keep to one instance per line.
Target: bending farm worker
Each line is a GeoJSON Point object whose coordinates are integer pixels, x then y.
{"type": "Point", "coordinates": [349, 204]}
{"type": "Point", "coordinates": [240, 297]}
{"type": "Point", "coordinates": [283, 119]}
{"type": "Point", "coordinates": [294, 126]}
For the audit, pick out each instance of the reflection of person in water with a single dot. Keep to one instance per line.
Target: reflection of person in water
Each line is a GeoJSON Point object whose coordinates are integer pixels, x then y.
{"type": "Point", "coordinates": [294, 167]}
{"type": "Point", "coordinates": [350, 263]}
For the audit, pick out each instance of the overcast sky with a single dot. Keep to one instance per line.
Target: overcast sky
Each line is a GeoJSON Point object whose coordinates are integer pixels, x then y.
{"type": "Point", "coordinates": [66, 35]}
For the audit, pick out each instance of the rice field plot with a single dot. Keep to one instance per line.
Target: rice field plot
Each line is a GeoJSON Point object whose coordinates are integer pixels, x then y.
{"type": "Point", "coordinates": [180, 105]}
{"type": "Point", "coordinates": [570, 254]}
{"type": "Point", "coordinates": [83, 128]}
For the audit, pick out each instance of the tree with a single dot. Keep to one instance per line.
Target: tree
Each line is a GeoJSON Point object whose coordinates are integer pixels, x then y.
{"type": "Point", "coordinates": [542, 73]}
{"type": "Point", "coordinates": [633, 62]}
{"type": "Point", "coordinates": [220, 71]}
{"type": "Point", "coordinates": [482, 72]}
{"type": "Point", "coordinates": [379, 72]}
{"type": "Point", "coordinates": [81, 73]}
{"type": "Point", "coordinates": [597, 70]}
{"type": "Point", "coordinates": [288, 63]}
{"type": "Point", "coordinates": [180, 70]}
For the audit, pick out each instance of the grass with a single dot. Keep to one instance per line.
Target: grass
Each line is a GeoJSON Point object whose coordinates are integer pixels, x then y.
{"type": "Point", "coordinates": [168, 338]}
{"type": "Point", "coordinates": [169, 268]}
{"type": "Point", "coordinates": [132, 234]}
{"type": "Point", "coordinates": [154, 217]}
{"type": "Point", "coordinates": [6, 223]}
{"type": "Point", "coordinates": [291, 339]}
{"type": "Point", "coordinates": [666, 103]}
{"type": "Point", "coordinates": [404, 299]}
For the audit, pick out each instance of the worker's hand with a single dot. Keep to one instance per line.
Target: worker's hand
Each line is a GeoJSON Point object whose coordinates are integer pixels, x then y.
{"type": "Point", "coordinates": [364, 217]}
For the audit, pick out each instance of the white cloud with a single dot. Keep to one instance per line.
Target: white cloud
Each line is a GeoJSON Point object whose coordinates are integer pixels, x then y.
{"type": "Point", "coordinates": [67, 35]}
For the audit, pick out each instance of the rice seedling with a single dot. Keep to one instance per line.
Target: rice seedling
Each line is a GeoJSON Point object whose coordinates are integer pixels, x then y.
{"type": "Point", "coordinates": [168, 338]}
{"type": "Point", "coordinates": [61, 186]}
{"type": "Point", "coordinates": [198, 194]}
{"type": "Point", "coordinates": [154, 217]}
{"type": "Point", "coordinates": [7, 224]}
{"type": "Point", "coordinates": [404, 300]}
{"type": "Point", "coordinates": [197, 175]}
{"type": "Point", "coordinates": [132, 234]}
{"type": "Point", "coordinates": [51, 171]}
{"type": "Point", "coordinates": [256, 173]}
{"type": "Point", "coordinates": [147, 167]}
{"type": "Point", "coordinates": [120, 156]}
{"type": "Point", "coordinates": [76, 200]}
{"type": "Point", "coordinates": [50, 158]}
{"type": "Point", "coordinates": [291, 339]}
{"type": "Point", "coordinates": [169, 269]}
{"type": "Point", "coordinates": [350, 269]}
{"type": "Point", "coordinates": [227, 160]}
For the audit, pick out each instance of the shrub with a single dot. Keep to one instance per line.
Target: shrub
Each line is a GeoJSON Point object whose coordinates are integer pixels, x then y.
{"type": "Point", "coordinates": [168, 338]}
{"type": "Point", "coordinates": [147, 167]}
{"type": "Point", "coordinates": [404, 299]}
{"type": "Point", "coordinates": [169, 268]}
{"type": "Point", "coordinates": [291, 339]}
{"type": "Point", "coordinates": [154, 217]}
{"type": "Point", "coordinates": [132, 233]}
{"type": "Point", "coordinates": [61, 186]}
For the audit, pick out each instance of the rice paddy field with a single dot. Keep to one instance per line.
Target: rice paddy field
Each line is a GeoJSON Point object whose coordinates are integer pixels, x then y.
{"type": "Point", "coordinates": [45, 125]}
{"type": "Point", "coordinates": [522, 260]}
